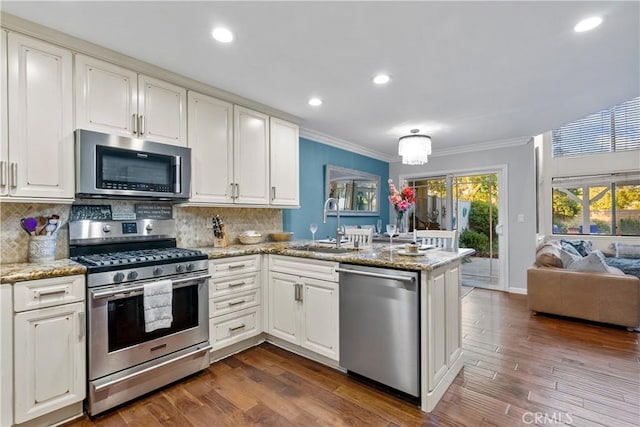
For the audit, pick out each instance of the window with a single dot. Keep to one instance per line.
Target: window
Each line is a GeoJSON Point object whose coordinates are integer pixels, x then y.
{"type": "Point", "coordinates": [610, 130]}
{"type": "Point", "coordinates": [605, 204]}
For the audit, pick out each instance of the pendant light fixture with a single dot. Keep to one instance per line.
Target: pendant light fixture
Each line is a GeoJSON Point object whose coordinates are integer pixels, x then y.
{"type": "Point", "coordinates": [414, 148]}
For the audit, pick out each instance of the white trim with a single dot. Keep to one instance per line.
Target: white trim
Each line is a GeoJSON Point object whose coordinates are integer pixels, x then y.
{"type": "Point", "coordinates": [345, 145]}
{"type": "Point", "coordinates": [491, 145]}
{"type": "Point", "coordinates": [502, 170]}
{"type": "Point", "coordinates": [519, 291]}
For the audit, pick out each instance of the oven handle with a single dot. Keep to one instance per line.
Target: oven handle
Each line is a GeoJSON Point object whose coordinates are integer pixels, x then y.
{"type": "Point", "coordinates": [112, 292]}
{"type": "Point", "coordinates": [149, 369]}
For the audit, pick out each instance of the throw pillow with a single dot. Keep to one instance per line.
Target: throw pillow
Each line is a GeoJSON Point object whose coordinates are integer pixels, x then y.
{"type": "Point", "coordinates": [569, 248]}
{"type": "Point", "coordinates": [626, 251]}
{"type": "Point", "coordinates": [583, 247]}
{"type": "Point", "coordinates": [548, 255]}
{"type": "Point", "coordinates": [592, 262]}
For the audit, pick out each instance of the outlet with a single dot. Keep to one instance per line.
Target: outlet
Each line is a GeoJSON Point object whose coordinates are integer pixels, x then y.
{"type": "Point", "coordinates": [520, 217]}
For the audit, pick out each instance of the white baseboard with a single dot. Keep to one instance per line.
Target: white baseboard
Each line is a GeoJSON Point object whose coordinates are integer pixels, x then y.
{"type": "Point", "coordinates": [520, 291]}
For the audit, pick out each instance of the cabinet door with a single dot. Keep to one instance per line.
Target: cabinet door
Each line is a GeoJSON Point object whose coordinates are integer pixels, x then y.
{"type": "Point", "coordinates": [283, 307]}
{"type": "Point", "coordinates": [437, 351]}
{"type": "Point", "coordinates": [210, 137]}
{"type": "Point", "coordinates": [284, 170]}
{"type": "Point", "coordinates": [162, 110]}
{"type": "Point", "coordinates": [4, 136]}
{"type": "Point", "coordinates": [106, 97]}
{"type": "Point", "coordinates": [40, 113]}
{"type": "Point", "coordinates": [251, 156]}
{"type": "Point", "coordinates": [320, 317]}
{"type": "Point", "coordinates": [49, 360]}
{"type": "Point", "coordinates": [452, 305]}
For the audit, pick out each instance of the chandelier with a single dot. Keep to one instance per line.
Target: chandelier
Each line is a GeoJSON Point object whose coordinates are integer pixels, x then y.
{"type": "Point", "coordinates": [414, 148]}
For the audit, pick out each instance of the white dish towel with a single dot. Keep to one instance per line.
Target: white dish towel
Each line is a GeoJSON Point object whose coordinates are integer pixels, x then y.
{"type": "Point", "coordinates": [158, 300]}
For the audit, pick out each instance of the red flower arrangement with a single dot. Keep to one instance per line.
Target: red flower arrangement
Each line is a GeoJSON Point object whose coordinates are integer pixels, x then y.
{"type": "Point", "coordinates": [401, 200]}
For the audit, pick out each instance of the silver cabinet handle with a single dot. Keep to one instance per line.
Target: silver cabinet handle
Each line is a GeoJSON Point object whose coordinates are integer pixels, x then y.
{"type": "Point", "coordinates": [236, 302]}
{"type": "Point", "coordinates": [237, 328]}
{"type": "Point", "coordinates": [301, 293]}
{"type": "Point", "coordinates": [237, 190]}
{"type": "Point", "coordinates": [134, 127]}
{"type": "Point", "coordinates": [236, 284]}
{"type": "Point", "coordinates": [236, 265]}
{"type": "Point", "coordinates": [3, 173]}
{"type": "Point", "coordinates": [298, 292]}
{"type": "Point", "coordinates": [273, 193]}
{"type": "Point", "coordinates": [231, 190]}
{"type": "Point", "coordinates": [82, 325]}
{"type": "Point", "coordinates": [142, 125]}
{"type": "Point", "coordinates": [14, 175]}
{"type": "Point", "coordinates": [53, 291]}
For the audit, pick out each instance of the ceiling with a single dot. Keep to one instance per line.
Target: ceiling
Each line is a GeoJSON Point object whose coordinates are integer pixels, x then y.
{"type": "Point", "coordinates": [464, 72]}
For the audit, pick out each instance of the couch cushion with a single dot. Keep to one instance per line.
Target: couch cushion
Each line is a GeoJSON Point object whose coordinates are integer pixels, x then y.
{"type": "Point", "coordinates": [582, 247]}
{"type": "Point", "coordinates": [548, 255]}
{"type": "Point", "coordinates": [624, 250]}
{"type": "Point", "coordinates": [592, 262]}
{"type": "Point", "coordinates": [627, 265]}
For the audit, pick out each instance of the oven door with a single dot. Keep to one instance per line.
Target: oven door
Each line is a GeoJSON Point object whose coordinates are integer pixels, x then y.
{"type": "Point", "coordinates": [117, 339]}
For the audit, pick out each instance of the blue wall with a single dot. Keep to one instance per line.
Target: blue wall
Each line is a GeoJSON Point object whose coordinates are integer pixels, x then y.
{"type": "Point", "coordinates": [313, 157]}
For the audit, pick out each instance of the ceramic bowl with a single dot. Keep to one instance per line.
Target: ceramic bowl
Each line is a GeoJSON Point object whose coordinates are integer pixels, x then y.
{"type": "Point", "coordinates": [281, 236]}
{"type": "Point", "coordinates": [250, 238]}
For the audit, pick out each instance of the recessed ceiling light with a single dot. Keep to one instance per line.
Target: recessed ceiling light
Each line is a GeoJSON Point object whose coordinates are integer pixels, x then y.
{"type": "Point", "coordinates": [381, 79]}
{"type": "Point", "coordinates": [587, 24]}
{"type": "Point", "coordinates": [315, 102]}
{"type": "Point", "coordinates": [222, 35]}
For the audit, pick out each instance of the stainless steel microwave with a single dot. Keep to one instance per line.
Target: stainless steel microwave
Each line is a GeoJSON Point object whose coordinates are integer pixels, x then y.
{"type": "Point", "coordinates": [120, 167]}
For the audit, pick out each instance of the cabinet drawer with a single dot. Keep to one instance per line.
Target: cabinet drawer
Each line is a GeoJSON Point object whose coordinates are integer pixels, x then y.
{"type": "Point", "coordinates": [234, 327]}
{"type": "Point", "coordinates": [304, 267]}
{"type": "Point", "coordinates": [234, 265]}
{"type": "Point", "coordinates": [42, 293]}
{"type": "Point", "coordinates": [233, 284]}
{"type": "Point", "coordinates": [234, 302]}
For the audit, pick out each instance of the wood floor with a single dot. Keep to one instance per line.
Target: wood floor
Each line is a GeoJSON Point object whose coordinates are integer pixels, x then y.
{"type": "Point", "coordinates": [520, 370]}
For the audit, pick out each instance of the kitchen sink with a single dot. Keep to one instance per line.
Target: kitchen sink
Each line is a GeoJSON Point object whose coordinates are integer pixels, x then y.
{"type": "Point", "coordinates": [323, 249]}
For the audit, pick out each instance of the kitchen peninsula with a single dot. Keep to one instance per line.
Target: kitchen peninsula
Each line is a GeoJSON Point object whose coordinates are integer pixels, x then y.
{"type": "Point", "coordinates": [440, 337]}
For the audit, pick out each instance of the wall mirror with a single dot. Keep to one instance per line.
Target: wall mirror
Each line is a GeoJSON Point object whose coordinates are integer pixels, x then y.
{"type": "Point", "coordinates": [358, 192]}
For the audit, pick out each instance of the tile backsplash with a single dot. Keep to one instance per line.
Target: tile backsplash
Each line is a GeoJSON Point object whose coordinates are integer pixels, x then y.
{"type": "Point", "coordinates": [193, 224]}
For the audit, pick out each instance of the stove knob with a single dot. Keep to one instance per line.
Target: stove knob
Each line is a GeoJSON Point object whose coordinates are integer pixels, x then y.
{"type": "Point", "coordinates": [132, 275]}
{"type": "Point", "coordinates": [106, 228]}
{"type": "Point", "coordinates": [157, 271]}
{"type": "Point", "coordinates": [149, 227]}
{"type": "Point", "coordinates": [179, 268]}
{"type": "Point", "coordinates": [118, 277]}
{"type": "Point", "coordinates": [190, 267]}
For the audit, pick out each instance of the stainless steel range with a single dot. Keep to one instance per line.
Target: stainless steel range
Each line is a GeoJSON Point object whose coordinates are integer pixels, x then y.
{"type": "Point", "coordinates": [122, 258]}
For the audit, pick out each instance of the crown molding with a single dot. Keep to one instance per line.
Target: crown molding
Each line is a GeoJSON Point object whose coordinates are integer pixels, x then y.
{"type": "Point", "coordinates": [345, 145]}
{"type": "Point", "coordinates": [483, 146]}
{"type": "Point", "coordinates": [16, 24]}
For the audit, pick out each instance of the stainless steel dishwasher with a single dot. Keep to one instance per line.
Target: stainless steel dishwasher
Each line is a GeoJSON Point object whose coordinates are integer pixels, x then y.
{"type": "Point", "coordinates": [380, 325]}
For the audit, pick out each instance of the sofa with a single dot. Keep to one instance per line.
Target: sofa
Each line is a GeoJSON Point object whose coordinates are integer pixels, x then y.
{"type": "Point", "coordinates": [598, 293]}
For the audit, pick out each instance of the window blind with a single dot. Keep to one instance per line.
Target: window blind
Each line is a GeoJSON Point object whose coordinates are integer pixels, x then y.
{"type": "Point", "coordinates": [610, 130]}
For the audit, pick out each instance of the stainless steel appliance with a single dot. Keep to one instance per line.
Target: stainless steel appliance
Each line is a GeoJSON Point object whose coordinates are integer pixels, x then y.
{"type": "Point", "coordinates": [122, 257]}
{"type": "Point", "coordinates": [117, 166]}
{"type": "Point", "coordinates": [380, 325]}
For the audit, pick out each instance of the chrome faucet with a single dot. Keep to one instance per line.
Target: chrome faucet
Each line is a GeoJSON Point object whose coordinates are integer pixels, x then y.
{"type": "Point", "coordinates": [339, 231]}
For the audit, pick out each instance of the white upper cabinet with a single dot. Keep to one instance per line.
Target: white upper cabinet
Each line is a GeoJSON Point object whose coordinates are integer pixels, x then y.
{"type": "Point", "coordinates": [284, 169]}
{"type": "Point", "coordinates": [112, 99]}
{"type": "Point", "coordinates": [211, 141]}
{"type": "Point", "coordinates": [4, 128]}
{"type": "Point", "coordinates": [251, 157]}
{"type": "Point", "coordinates": [37, 162]}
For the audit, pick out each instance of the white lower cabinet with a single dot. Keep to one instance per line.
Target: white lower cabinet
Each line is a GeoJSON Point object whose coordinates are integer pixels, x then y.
{"type": "Point", "coordinates": [235, 311]}
{"type": "Point", "coordinates": [49, 347]}
{"type": "Point", "coordinates": [304, 310]}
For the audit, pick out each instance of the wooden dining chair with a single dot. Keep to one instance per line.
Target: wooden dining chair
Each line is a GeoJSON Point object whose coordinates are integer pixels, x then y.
{"type": "Point", "coordinates": [363, 236]}
{"type": "Point", "coordinates": [447, 239]}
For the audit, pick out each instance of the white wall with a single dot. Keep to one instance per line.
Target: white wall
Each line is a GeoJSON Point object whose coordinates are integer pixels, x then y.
{"type": "Point", "coordinates": [519, 159]}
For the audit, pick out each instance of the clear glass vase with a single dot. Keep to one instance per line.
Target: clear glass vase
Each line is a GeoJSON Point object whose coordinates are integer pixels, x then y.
{"type": "Point", "coordinates": [401, 224]}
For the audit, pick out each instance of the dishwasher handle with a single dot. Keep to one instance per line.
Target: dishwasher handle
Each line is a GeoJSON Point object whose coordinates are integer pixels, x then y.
{"type": "Point", "coordinates": [409, 279]}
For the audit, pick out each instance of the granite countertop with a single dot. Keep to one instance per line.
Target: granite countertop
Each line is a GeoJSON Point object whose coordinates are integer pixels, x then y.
{"type": "Point", "coordinates": [377, 256]}
{"type": "Point", "coordinates": [21, 271]}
